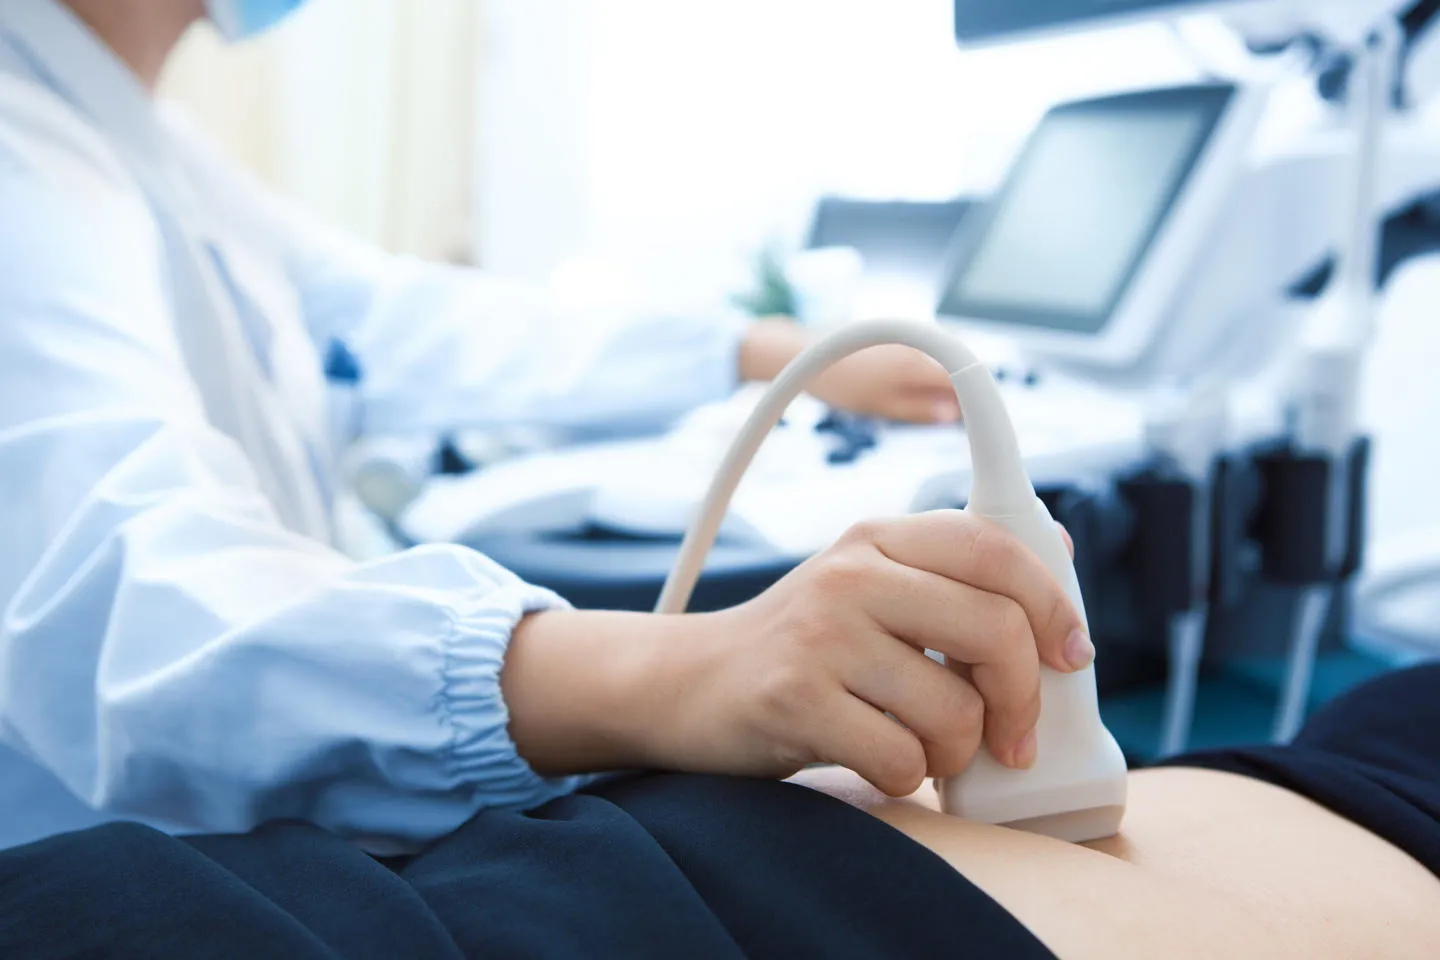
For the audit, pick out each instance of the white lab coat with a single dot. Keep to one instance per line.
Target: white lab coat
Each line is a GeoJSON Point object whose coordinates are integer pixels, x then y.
{"type": "Point", "coordinates": [180, 642]}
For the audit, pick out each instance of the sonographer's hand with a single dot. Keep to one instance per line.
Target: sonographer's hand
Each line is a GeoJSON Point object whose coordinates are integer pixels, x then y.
{"type": "Point", "coordinates": [808, 671]}
{"type": "Point", "coordinates": [892, 382]}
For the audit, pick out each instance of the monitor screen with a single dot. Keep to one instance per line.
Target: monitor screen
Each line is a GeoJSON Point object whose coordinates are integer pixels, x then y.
{"type": "Point", "coordinates": [1070, 229]}
{"type": "Point", "coordinates": [981, 21]}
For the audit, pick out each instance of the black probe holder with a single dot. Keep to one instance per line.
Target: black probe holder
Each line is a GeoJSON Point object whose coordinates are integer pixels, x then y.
{"type": "Point", "coordinates": [1267, 522]}
{"type": "Point", "coordinates": [1267, 535]}
{"type": "Point", "coordinates": [1235, 496]}
{"type": "Point", "coordinates": [1291, 523]}
{"type": "Point", "coordinates": [1161, 556]}
{"type": "Point", "coordinates": [1136, 554]}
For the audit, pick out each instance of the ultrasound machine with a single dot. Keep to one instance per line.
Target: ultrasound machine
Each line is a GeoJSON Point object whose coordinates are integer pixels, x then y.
{"type": "Point", "coordinates": [1137, 284]}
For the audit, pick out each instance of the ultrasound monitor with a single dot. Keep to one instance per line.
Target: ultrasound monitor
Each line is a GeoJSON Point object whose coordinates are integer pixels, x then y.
{"type": "Point", "coordinates": [1091, 234]}
{"type": "Point", "coordinates": [1265, 24]}
{"type": "Point", "coordinates": [897, 238]}
{"type": "Point", "coordinates": [996, 21]}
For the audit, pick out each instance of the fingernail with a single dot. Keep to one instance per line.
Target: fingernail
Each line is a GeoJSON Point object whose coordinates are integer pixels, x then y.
{"type": "Point", "coordinates": [1079, 651]}
{"type": "Point", "coordinates": [1026, 752]}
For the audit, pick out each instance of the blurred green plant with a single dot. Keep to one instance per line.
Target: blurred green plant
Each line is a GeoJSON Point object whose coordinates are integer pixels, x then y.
{"type": "Point", "coordinates": [772, 295]}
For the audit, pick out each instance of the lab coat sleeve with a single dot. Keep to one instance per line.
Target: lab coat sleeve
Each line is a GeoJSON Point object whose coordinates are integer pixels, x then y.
{"type": "Point", "coordinates": [166, 648]}
{"type": "Point", "coordinates": [444, 346]}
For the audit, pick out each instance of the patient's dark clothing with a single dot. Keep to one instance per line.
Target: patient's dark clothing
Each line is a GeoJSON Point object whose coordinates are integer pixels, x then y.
{"type": "Point", "coordinates": [656, 866]}
{"type": "Point", "coordinates": [1372, 756]}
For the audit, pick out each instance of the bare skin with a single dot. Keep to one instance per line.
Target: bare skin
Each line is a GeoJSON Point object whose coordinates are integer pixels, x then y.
{"type": "Point", "coordinates": [893, 382]}
{"type": "Point", "coordinates": [143, 33]}
{"type": "Point", "coordinates": [1206, 865]}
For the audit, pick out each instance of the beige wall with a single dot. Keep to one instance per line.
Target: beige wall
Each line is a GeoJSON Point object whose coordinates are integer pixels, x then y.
{"type": "Point", "coordinates": [231, 92]}
{"type": "Point", "coordinates": [362, 110]}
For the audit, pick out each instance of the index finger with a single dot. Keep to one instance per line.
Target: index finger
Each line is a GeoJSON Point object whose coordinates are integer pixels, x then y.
{"type": "Point", "coordinates": [974, 551]}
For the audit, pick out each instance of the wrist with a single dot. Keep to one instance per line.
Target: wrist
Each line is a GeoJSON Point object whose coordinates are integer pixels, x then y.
{"type": "Point", "coordinates": [591, 691]}
{"type": "Point", "coordinates": [768, 347]}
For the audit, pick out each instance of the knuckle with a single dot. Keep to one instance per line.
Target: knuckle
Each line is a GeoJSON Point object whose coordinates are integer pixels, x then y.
{"type": "Point", "coordinates": [968, 710]}
{"type": "Point", "coordinates": [963, 716]}
{"type": "Point", "coordinates": [1059, 614]}
{"type": "Point", "coordinates": [1012, 707]}
{"type": "Point", "coordinates": [952, 522]}
{"type": "Point", "coordinates": [1006, 622]}
{"type": "Point", "coordinates": [1029, 714]}
{"type": "Point", "coordinates": [843, 571]}
{"type": "Point", "coordinates": [900, 770]}
{"type": "Point", "coordinates": [960, 709]}
{"type": "Point", "coordinates": [789, 689]}
{"type": "Point", "coordinates": [1013, 700]}
{"type": "Point", "coordinates": [864, 532]}
{"type": "Point", "coordinates": [959, 751]}
{"type": "Point", "coordinates": [988, 548]}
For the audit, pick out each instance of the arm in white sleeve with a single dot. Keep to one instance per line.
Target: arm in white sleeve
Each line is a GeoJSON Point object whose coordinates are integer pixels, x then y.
{"type": "Point", "coordinates": [442, 347]}
{"type": "Point", "coordinates": [167, 649]}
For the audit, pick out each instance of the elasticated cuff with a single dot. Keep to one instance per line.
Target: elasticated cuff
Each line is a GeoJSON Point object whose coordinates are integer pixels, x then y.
{"type": "Point", "coordinates": [482, 752]}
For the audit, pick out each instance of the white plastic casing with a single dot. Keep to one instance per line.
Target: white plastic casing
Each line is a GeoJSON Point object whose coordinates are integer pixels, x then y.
{"type": "Point", "coordinates": [1076, 789]}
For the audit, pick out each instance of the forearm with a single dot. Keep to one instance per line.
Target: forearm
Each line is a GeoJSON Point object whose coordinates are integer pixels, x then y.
{"type": "Point", "coordinates": [591, 691]}
{"type": "Point", "coordinates": [493, 352]}
{"type": "Point", "coordinates": [889, 382]}
{"type": "Point", "coordinates": [768, 347]}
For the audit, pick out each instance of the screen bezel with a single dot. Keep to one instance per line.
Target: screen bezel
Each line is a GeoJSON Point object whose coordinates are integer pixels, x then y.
{"type": "Point", "coordinates": [1213, 100]}
{"type": "Point", "coordinates": [836, 219]}
{"type": "Point", "coordinates": [987, 22]}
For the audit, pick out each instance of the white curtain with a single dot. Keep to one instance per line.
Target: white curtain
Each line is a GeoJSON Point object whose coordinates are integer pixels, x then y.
{"type": "Point", "coordinates": [363, 110]}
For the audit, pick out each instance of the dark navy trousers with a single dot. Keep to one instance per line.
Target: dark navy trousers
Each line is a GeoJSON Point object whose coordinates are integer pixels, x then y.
{"type": "Point", "coordinates": [656, 866]}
